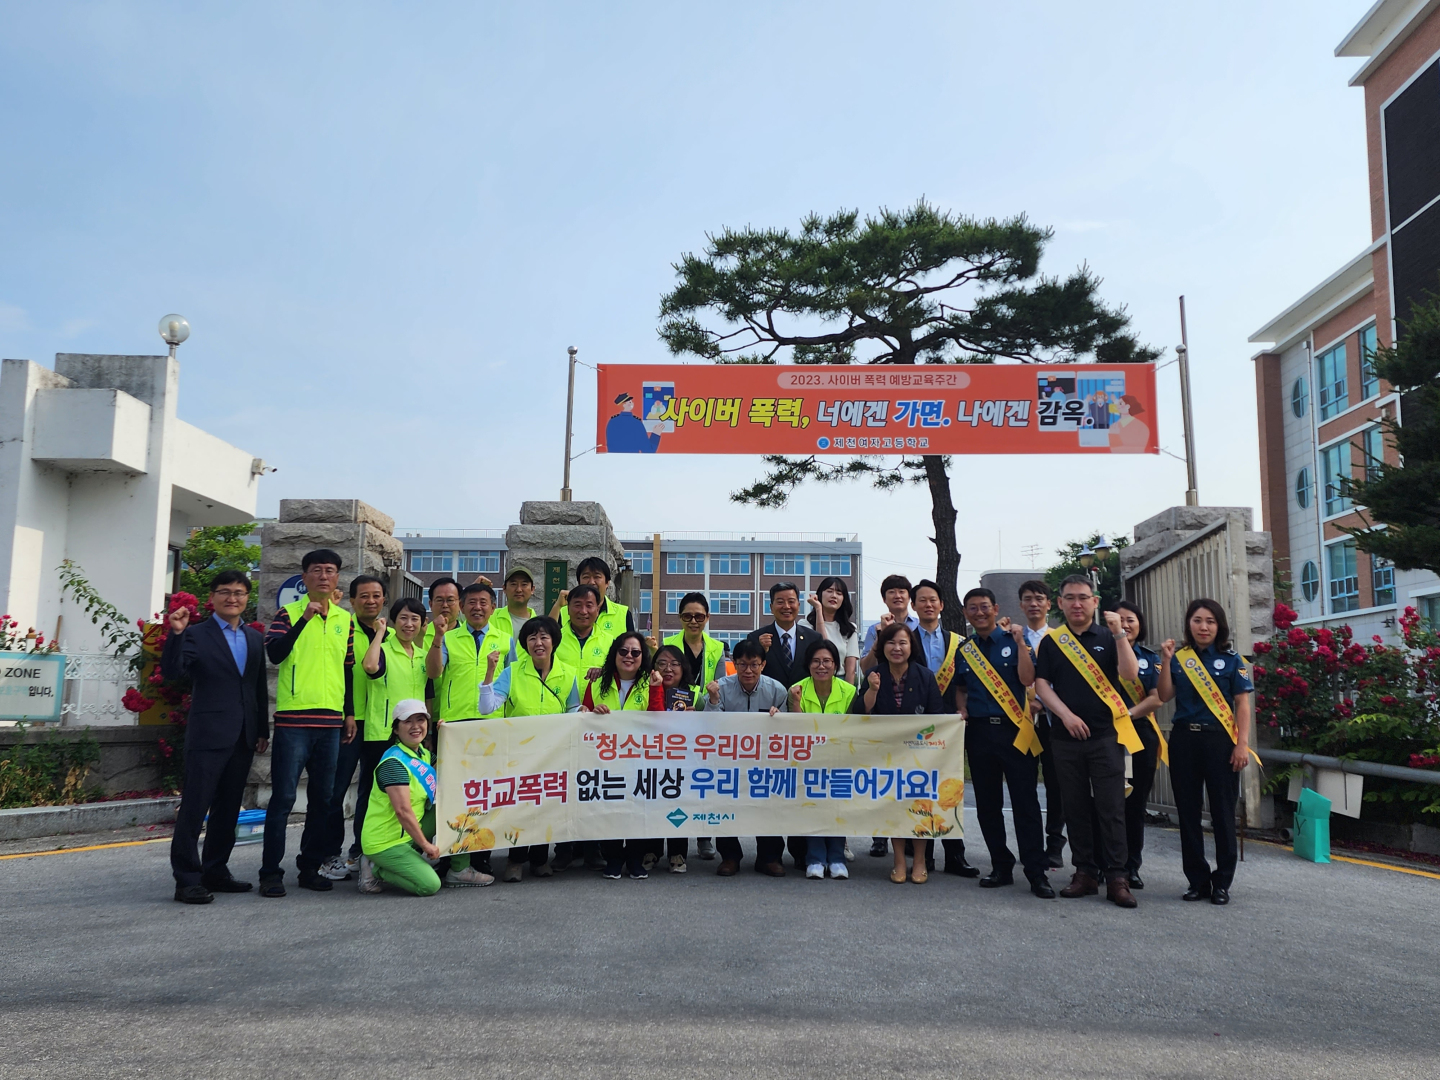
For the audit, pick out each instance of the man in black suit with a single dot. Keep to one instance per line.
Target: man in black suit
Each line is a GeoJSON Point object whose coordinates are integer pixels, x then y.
{"type": "Point", "coordinates": [786, 640]}
{"type": "Point", "coordinates": [229, 723]}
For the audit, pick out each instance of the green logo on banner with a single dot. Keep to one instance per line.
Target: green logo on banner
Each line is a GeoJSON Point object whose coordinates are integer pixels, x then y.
{"type": "Point", "coordinates": [677, 817]}
{"type": "Point", "coordinates": [926, 733]}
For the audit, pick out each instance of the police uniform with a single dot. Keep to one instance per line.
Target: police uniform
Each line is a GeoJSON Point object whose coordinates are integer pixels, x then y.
{"type": "Point", "coordinates": [1200, 750]}
{"type": "Point", "coordinates": [1054, 808]}
{"type": "Point", "coordinates": [1142, 765]}
{"type": "Point", "coordinates": [995, 763]}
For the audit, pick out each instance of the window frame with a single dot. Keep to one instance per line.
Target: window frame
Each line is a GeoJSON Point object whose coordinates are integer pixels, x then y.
{"type": "Point", "coordinates": [823, 566]}
{"type": "Point", "coordinates": [1334, 394]}
{"type": "Point", "coordinates": [1310, 581]}
{"type": "Point", "coordinates": [1304, 488]}
{"type": "Point", "coordinates": [447, 558]}
{"type": "Point", "coordinates": [1349, 600]}
{"type": "Point", "coordinates": [694, 560]}
{"type": "Point", "coordinates": [1300, 397]}
{"type": "Point", "coordinates": [1340, 503]}
{"type": "Point", "coordinates": [721, 562]}
{"type": "Point", "coordinates": [722, 600]}
{"type": "Point", "coordinates": [795, 560]}
{"type": "Point", "coordinates": [1368, 342]}
{"type": "Point", "coordinates": [1382, 580]}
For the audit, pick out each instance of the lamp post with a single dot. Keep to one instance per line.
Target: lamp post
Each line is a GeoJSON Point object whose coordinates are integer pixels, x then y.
{"type": "Point", "coordinates": [174, 329]}
{"type": "Point", "coordinates": [1182, 353]}
{"type": "Point", "coordinates": [1090, 556]}
{"type": "Point", "coordinates": [569, 424]}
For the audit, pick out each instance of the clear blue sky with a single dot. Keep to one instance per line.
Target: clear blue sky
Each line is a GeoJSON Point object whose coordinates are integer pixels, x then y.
{"type": "Point", "coordinates": [385, 223]}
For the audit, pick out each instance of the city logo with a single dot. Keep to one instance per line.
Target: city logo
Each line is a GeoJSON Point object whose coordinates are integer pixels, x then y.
{"type": "Point", "coordinates": [925, 740]}
{"type": "Point", "coordinates": [677, 817]}
{"type": "Point", "coordinates": [926, 733]}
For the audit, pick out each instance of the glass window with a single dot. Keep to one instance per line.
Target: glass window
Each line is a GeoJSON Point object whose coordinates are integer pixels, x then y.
{"type": "Point", "coordinates": [1374, 452]}
{"type": "Point", "coordinates": [729, 603]}
{"type": "Point", "coordinates": [1299, 396]}
{"type": "Point", "coordinates": [1430, 611]}
{"type": "Point", "coordinates": [1309, 581]}
{"type": "Point", "coordinates": [1344, 577]}
{"type": "Point", "coordinates": [1382, 580]}
{"type": "Point", "coordinates": [784, 565]}
{"type": "Point", "coordinates": [729, 637]}
{"type": "Point", "coordinates": [642, 560]}
{"type": "Point", "coordinates": [726, 563]}
{"type": "Point", "coordinates": [1337, 468]}
{"type": "Point", "coordinates": [432, 562]}
{"type": "Point", "coordinates": [1369, 381]}
{"type": "Point", "coordinates": [647, 601]}
{"type": "Point", "coordinates": [830, 565]}
{"type": "Point", "coordinates": [681, 562]}
{"type": "Point", "coordinates": [479, 562]}
{"type": "Point", "coordinates": [672, 603]}
{"type": "Point", "coordinates": [1330, 377]}
{"type": "Point", "coordinates": [1304, 488]}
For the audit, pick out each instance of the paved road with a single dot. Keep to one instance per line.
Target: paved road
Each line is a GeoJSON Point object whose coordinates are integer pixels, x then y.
{"type": "Point", "coordinates": [1312, 971]}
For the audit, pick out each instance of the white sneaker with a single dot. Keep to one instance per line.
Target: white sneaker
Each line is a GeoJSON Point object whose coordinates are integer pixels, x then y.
{"type": "Point", "coordinates": [334, 869]}
{"type": "Point", "coordinates": [352, 862]}
{"type": "Point", "coordinates": [369, 882]}
{"type": "Point", "coordinates": [815, 870]}
{"type": "Point", "coordinates": [677, 864]}
{"type": "Point", "coordinates": [649, 861]}
{"type": "Point", "coordinates": [458, 879]}
{"type": "Point", "coordinates": [849, 855]}
{"type": "Point", "coordinates": [705, 848]}
{"type": "Point", "coordinates": [839, 870]}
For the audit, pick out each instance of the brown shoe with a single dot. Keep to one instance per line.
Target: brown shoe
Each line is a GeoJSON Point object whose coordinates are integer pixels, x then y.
{"type": "Point", "coordinates": [772, 869]}
{"type": "Point", "coordinates": [1082, 884]}
{"type": "Point", "coordinates": [1117, 891]}
{"type": "Point", "coordinates": [727, 868]}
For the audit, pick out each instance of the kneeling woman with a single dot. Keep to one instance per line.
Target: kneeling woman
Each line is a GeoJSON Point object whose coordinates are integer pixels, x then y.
{"type": "Point", "coordinates": [1209, 742]}
{"type": "Point", "coordinates": [400, 814]}
{"type": "Point", "coordinates": [823, 692]}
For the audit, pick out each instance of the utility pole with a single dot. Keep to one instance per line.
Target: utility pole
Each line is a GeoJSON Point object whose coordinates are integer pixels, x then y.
{"type": "Point", "coordinates": [569, 424]}
{"type": "Point", "coordinates": [1192, 493]}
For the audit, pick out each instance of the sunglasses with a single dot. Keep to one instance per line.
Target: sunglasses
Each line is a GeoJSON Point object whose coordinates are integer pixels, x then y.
{"type": "Point", "coordinates": [693, 616]}
{"type": "Point", "coordinates": [628, 652]}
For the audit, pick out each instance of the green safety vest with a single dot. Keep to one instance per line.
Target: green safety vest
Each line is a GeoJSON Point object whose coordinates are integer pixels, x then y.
{"type": "Point", "coordinates": [313, 675]}
{"type": "Point", "coordinates": [571, 655]}
{"type": "Point", "coordinates": [638, 700]}
{"type": "Point", "coordinates": [457, 693]}
{"type": "Point", "coordinates": [714, 657]}
{"type": "Point", "coordinates": [529, 696]}
{"type": "Point", "coordinates": [610, 621]}
{"type": "Point", "coordinates": [382, 829]}
{"type": "Point", "coordinates": [360, 689]}
{"type": "Point", "coordinates": [501, 620]}
{"type": "Point", "coordinates": [404, 678]}
{"type": "Point", "coordinates": [842, 694]}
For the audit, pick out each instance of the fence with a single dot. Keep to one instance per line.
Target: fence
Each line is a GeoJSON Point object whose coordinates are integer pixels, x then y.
{"type": "Point", "coordinates": [94, 685]}
{"type": "Point", "coordinates": [1209, 562]}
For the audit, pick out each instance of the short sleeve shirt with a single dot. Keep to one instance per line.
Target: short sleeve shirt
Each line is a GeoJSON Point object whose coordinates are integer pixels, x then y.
{"type": "Point", "coordinates": [1230, 673]}
{"type": "Point", "coordinates": [1070, 686]}
{"type": "Point", "coordinates": [1004, 656]}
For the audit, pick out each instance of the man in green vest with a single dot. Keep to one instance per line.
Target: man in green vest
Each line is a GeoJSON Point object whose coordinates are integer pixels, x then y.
{"type": "Point", "coordinates": [312, 641]}
{"type": "Point", "coordinates": [444, 601]}
{"type": "Point", "coordinates": [612, 618]}
{"type": "Point", "coordinates": [456, 659]}
{"type": "Point", "coordinates": [583, 644]}
{"type": "Point", "coordinates": [519, 588]}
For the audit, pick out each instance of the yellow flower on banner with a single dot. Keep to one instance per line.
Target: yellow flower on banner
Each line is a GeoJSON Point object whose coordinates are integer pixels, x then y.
{"type": "Point", "coordinates": [952, 792]}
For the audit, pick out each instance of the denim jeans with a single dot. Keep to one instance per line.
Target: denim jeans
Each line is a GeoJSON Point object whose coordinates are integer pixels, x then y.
{"type": "Point", "coordinates": [824, 850]}
{"type": "Point", "coordinates": [292, 749]}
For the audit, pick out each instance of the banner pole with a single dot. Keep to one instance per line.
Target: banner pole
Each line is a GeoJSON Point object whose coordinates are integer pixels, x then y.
{"type": "Point", "coordinates": [1192, 492]}
{"type": "Point", "coordinates": [569, 424]}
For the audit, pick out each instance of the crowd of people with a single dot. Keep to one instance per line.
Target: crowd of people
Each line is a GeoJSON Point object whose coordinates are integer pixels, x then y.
{"type": "Point", "coordinates": [1070, 706]}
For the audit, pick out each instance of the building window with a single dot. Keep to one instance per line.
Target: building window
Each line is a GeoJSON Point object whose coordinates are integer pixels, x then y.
{"type": "Point", "coordinates": [725, 563]}
{"type": "Point", "coordinates": [728, 637]}
{"type": "Point", "coordinates": [1304, 487]}
{"type": "Point", "coordinates": [1309, 581]}
{"type": "Point", "coordinates": [1430, 610]}
{"type": "Point", "coordinates": [729, 603]}
{"type": "Point", "coordinates": [1382, 580]}
{"type": "Point", "coordinates": [1374, 452]}
{"type": "Point", "coordinates": [642, 560]}
{"type": "Point", "coordinates": [479, 562]}
{"type": "Point", "coordinates": [647, 601]}
{"type": "Point", "coordinates": [672, 602]}
{"type": "Point", "coordinates": [830, 565]}
{"type": "Point", "coordinates": [1337, 469]}
{"type": "Point", "coordinates": [784, 565]}
{"type": "Point", "coordinates": [1369, 381]}
{"type": "Point", "coordinates": [1299, 396]}
{"type": "Point", "coordinates": [432, 562]}
{"type": "Point", "coordinates": [1330, 377]}
{"type": "Point", "coordinates": [1344, 577]}
{"type": "Point", "coordinates": [680, 562]}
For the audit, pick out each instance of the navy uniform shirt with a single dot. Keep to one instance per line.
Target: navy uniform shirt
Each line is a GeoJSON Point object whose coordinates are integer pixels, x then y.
{"type": "Point", "coordinates": [1070, 686]}
{"type": "Point", "coordinates": [1228, 670]}
{"type": "Point", "coordinates": [1149, 663]}
{"type": "Point", "coordinates": [1000, 649]}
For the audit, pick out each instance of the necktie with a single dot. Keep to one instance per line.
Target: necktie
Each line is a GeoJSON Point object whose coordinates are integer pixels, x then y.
{"type": "Point", "coordinates": [789, 648]}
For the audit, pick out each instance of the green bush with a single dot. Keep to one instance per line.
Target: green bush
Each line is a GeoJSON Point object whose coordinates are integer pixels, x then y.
{"type": "Point", "coordinates": [51, 772]}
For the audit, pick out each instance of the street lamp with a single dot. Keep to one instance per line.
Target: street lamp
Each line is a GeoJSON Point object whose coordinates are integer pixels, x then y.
{"type": "Point", "coordinates": [174, 329]}
{"type": "Point", "coordinates": [1089, 557]}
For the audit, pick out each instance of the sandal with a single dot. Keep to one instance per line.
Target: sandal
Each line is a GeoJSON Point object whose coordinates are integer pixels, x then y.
{"type": "Point", "coordinates": [919, 875]}
{"type": "Point", "coordinates": [897, 875]}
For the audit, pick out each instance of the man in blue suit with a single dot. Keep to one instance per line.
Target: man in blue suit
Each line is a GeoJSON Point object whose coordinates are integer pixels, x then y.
{"type": "Point", "coordinates": [625, 433]}
{"type": "Point", "coordinates": [229, 723]}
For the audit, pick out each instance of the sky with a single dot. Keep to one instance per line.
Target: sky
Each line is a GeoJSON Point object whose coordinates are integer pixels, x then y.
{"type": "Point", "coordinates": [386, 223]}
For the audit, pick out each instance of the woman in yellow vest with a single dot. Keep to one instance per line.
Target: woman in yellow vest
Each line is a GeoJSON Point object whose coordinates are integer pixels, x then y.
{"type": "Point", "coordinates": [534, 685]}
{"type": "Point", "coordinates": [823, 691]}
{"type": "Point", "coordinates": [1209, 742]}
{"type": "Point", "coordinates": [704, 655]}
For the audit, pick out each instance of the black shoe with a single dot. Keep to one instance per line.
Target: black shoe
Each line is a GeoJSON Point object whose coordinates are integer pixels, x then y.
{"type": "Point", "coordinates": [961, 868]}
{"type": "Point", "coordinates": [1196, 894]}
{"type": "Point", "coordinates": [1056, 859]}
{"type": "Point", "coordinates": [560, 865]}
{"type": "Point", "coordinates": [995, 879]}
{"type": "Point", "coordinates": [272, 889]}
{"type": "Point", "coordinates": [228, 884]}
{"type": "Point", "coordinates": [311, 880]}
{"type": "Point", "coordinates": [878, 848]}
{"type": "Point", "coordinates": [193, 894]}
{"type": "Point", "coordinates": [1219, 897]}
{"type": "Point", "coordinates": [1042, 888]}
{"type": "Point", "coordinates": [1135, 882]}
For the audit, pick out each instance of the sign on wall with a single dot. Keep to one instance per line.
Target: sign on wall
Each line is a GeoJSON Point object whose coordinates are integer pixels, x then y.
{"type": "Point", "coordinates": [31, 686]}
{"type": "Point", "coordinates": [876, 409]}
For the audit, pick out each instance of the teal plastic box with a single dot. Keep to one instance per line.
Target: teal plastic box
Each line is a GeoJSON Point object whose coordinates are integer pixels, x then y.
{"type": "Point", "coordinates": [1312, 826]}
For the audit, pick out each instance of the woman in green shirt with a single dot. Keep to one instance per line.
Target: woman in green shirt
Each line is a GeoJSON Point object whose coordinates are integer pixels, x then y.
{"type": "Point", "coordinates": [822, 692]}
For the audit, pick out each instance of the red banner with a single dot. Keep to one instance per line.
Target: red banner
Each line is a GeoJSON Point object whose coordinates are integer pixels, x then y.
{"type": "Point", "coordinates": [876, 409]}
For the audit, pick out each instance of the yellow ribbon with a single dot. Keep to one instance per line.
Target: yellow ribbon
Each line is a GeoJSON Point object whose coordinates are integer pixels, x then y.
{"type": "Point", "coordinates": [1027, 741]}
{"type": "Point", "coordinates": [1210, 693]}
{"type": "Point", "coordinates": [1097, 680]}
{"type": "Point", "coordinates": [947, 666]}
{"type": "Point", "coordinates": [1135, 689]}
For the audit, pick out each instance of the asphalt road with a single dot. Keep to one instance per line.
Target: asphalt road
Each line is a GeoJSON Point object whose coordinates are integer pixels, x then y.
{"type": "Point", "coordinates": [1311, 971]}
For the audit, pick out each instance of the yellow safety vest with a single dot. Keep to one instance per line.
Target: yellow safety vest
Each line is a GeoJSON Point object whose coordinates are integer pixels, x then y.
{"type": "Point", "coordinates": [457, 693]}
{"type": "Point", "coordinates": [313, 675]}
{"type": "Point", "coordinates": [404, 678]}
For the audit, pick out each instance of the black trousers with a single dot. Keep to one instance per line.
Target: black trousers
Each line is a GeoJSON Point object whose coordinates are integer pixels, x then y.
{"type": "Point", "coordinates": [1200, 763]}
{"type": "Point", "coordinates": [674, 845]}
{"type": "Point", "coordinates": [629, 852]}
{"type": "Point", "coordinates": [535, 854]}
{"type": "Point", "coordinates": [768, 849]}
{"type": "Point", "coordinates": [994, 761]}
{"type": "Point", "coordinates": [370, 753]}
{"type": "Point", "coordinates": [1092, 779]}
{"type": "Point", "coordinates": [214, 783]}
{"type": "Point", "coordinates": [1054, 804]}
{"type": "Point", "coordinates": [1142, 779]}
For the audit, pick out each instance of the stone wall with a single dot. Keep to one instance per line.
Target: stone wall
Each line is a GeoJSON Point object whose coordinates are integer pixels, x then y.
{"type": "Point", "coordinates": [568, 531]}
{"type": "Point", "coordinates": [360, 534]}
{"type": "Point", "coordinates": [129, 756]}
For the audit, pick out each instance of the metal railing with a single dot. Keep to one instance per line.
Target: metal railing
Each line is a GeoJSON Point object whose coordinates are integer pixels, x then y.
{"type": "Point", "coordinates": [94, 685]}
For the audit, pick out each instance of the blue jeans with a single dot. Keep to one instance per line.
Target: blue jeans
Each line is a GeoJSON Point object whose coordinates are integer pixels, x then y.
{"type": "Point", "coordinates": [292, 749]}
{"type": "Point", "coordinates": [347, 759]}
{"type": "Point", "coordinates": [824, 849]}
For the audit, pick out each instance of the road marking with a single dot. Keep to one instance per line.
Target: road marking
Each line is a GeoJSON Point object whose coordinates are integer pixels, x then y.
{"type": "Point", "coordinates": [1359, 862]}
{"type": "Point", "coordinates": [92, 847]}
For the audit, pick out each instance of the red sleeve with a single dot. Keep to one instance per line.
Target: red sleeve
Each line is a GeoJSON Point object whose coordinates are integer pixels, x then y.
{"type": "Point", "coordinates": [657, 697]}
{"type": "Point", "coordinates": [589, 701]}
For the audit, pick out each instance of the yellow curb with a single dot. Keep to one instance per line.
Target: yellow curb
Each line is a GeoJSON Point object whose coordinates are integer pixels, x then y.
{"type": "Point", "coordinates": [92, 847]}
{"type": "Point", "coordinates": [1360, 862]}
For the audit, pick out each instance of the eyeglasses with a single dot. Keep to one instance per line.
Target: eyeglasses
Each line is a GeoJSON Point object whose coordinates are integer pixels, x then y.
{"type": "Point", "coordinates": [666, 662]}
{"type": "Point", "coordinates": [628, 652]}
{"type": "Point", "coordinates": [693, 616]}
{"type": "Point", "coordinates": [231, 594]}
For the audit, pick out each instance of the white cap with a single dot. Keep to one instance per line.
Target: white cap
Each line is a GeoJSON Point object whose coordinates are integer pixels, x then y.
{"type": "Point", "coordinates": [409, 707]}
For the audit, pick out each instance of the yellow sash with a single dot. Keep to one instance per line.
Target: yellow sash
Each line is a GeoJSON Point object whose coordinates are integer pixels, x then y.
{"type": "Point", "coordinates": [1136, 689]}
{"type": "Point", "coordinates": [1027, 741]}
{"type": "Point", "coordinates": [1209, 693]}
{"type": "Point", "coordinates": [947, 666]}
{"type": "Point", "coordinates": [1097, 681]}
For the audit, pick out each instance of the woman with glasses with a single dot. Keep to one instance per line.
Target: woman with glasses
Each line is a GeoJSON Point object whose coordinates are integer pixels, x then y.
{"type": "Point", "coordinates": [679, 694]}
{"type": "Point", "coordinates": [822, 692]}
{"type": "Point", "coordinates": [534, 685]}
{"type": "Point", "coordinates": [704, 654]}
{"type": "Point", "coordinates": [833, 615]}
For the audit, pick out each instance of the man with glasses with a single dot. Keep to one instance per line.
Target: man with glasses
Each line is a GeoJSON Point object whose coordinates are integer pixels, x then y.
{"type": "Point", "coordinates": [1035, 604]}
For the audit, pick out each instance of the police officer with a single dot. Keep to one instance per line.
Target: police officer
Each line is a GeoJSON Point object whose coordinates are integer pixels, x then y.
{"type": "Point", "coordinates": [1143, 701]}
{"type": "Point", "coordinates": [1209, 742]}
{"type": "Point", "coordinates": [1035, 604]}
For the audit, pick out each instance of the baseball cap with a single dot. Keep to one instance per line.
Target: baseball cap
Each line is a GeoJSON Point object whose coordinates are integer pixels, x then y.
{"type": "Point", "coordinates": [404, 710]}
{"type": "Point", "coordinates": [519, 571]}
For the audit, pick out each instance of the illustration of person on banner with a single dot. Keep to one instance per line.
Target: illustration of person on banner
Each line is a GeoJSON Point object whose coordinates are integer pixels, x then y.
{"type": "Point", "coordinates": [625, 433]}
